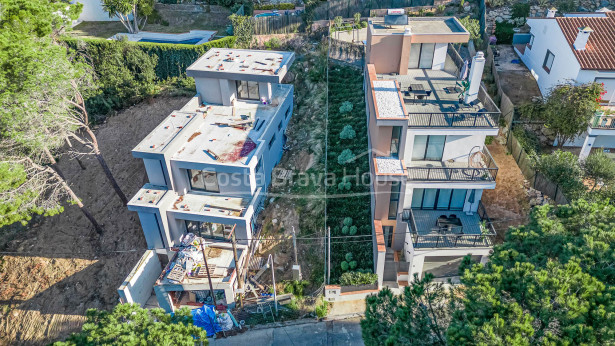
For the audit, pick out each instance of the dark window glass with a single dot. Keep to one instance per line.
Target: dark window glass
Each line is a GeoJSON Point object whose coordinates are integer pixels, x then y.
{"type": "Point", "coordinates": [287, 113]}
{"type": "Point", "coordinates": [395, 138]}
{"type": "Point", "coordinates": [271, 141]}
{"type": "Point", "coordinates": [247, 90]}
{"type": "Point", "coordinates": [394, 202]}
{"type": "Point", "coordinates": [209, 229]}
{"type": "Point", "coordinates": [280, 125]}
{"type": "Point", "coordinates": [548, 63]}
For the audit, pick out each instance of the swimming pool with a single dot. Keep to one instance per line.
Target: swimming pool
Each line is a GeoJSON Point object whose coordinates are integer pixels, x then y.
{"type": "Point", "coordinates": [268, 14]}
{"type": "Point", "coordinates": [189, 41]}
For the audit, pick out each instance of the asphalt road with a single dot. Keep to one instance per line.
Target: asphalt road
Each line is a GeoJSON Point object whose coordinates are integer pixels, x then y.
{"type": "Point", "coordinates": [342, 332]}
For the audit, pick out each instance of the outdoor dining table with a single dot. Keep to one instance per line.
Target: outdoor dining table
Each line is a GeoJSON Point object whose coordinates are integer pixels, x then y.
{"type": "Point", "coordinates": [418, 90]}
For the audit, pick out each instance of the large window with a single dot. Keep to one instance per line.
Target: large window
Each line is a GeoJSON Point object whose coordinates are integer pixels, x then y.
{"type": "Point", "coordinates": [428, 148]}
{"type": "Point", "coordinates": [247, 90]}
{"type": "Point", "coordinates": [394, 202]}
{"type": "Point", "coordinates": [395, 137]}
{"type": "Point", "coordinates": [271, 141]}
{"type": "Point", "coordinates": [421, 55]}
{"type": "Point", "coordinates": [531, 43]}
{"type": "Point", "coordinates": [548, 63]}
{"type": "Point", "coordinates": [203, 181]}
{"type": "Point", "coordinates": [443, 199]}
{"type": "Point", "coordinates": [209, 229]}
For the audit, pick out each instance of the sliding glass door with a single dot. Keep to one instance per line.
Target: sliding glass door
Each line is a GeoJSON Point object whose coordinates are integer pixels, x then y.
{"type": "Point", "coordinates": [421, 55]}
{"type": "Point", "coordinates": [441, 199]}
{"type": "Point", "coordinates": [428, 148]}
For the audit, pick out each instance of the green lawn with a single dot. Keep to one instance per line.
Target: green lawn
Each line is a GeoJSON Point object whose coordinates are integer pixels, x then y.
{"type": "Point", "coordinates": [178, 22]}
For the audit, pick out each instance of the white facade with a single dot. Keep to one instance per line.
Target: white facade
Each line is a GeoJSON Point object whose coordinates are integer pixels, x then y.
{"type": "Point", "coordinates": [547, 38]}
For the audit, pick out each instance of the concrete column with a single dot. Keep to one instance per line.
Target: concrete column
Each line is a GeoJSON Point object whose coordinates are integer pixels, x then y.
{"type": "Point", "coordinates": [264, 91]}
{"type": "Point", "coordinates": [164, 301]}
{"type": "Point", "coordinates": [379, 264]}
{"type": "Point", "coordinates": [587, 146]}
{"type": "Point", "coordinates": [227, 90]}
{"type": "Point", "coordinates": [405, 52]}
{"type": "Point", "coordinates": [416, 266]}
{"type": "Point", "coordinates": [475, 77]}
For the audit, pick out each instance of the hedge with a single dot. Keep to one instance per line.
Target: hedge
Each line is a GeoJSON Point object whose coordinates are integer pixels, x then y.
{"type": "Point", "coordinates": [280, 6]}
{"type": "Point", "coordinates": [173, 59]}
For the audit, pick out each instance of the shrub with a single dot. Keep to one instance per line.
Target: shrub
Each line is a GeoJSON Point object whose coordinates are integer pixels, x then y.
{"type": "Point", "coordinates": [528, 140]}
{"type": "Point", "coordinates": [352, 264]}
{"type": "Point", "coordinates": [488, 140]}
{"type": "Point", "coordinates": [472, 25]}
{"type": "Point", "coordinates": [344, 265]}
{"type": "Point", "coordinates": [280, 6]}
{"type": "Point", "coordinates": [354, 278]}
{"type": "Point", "coordinates": [353, 230]}
{"type": "Point", "coordinates": [348, 256]}
{"type": "Point", "coordinates": [346, 107]}
{"type": "Point", "coordinates": [322, 309]}
{"type": "Point", "coordinates": [520, 10]}
{"type": "Point", "coordinates": [562, 168]}
{"type": "Point", "coordinates": [348, 132]}
{"type": "Point", "coordinates": [345, 230]}
{"type": "Point", "coordinates": [504, 32]}
{"type": "Point", "coordinates": [273, 43]}
{"type": "Point", "coordinates": [345, 157]}
{"type": "Point", "coordinates": [347, 221]}
{"type": "Point", "coordinates": [344, 184]}
{"type": "Point", "coordinates": [600, 168]}
{"type": "Point", "coordinates": [296, 287]}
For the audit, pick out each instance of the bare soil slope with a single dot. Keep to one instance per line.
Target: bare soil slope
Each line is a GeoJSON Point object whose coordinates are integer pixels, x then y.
{"type": "Point", "coordinates": [61, 267]}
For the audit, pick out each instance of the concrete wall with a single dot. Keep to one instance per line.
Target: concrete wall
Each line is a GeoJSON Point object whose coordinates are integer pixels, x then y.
{"type": "Point", "coordinates": [138, 285]}
{"type": "Point", "coordinates": [384, 52]}
{"type": "Point", "coordinates": [156, 173]}
{"type": "Point", "coordinates": [439, 57]}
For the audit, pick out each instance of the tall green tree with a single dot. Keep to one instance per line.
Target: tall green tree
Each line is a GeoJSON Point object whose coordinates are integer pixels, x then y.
{"type": "Point", "coordinates": [132, 13]}
{"type": "Point", "coordinates": [129, 324]}
{"type": "Point", "coordinates": [600, 169]}
{"type": "Point", "coordinates": [567, 111]}
{"type": "Point", "coordinates": [550, 282]}
{"type": "Point", "coordinates": [243, 30]}
{"type": "Point", "coordinates": [419, 316]}
{"type": "Point", "coordinates": [564, 169]}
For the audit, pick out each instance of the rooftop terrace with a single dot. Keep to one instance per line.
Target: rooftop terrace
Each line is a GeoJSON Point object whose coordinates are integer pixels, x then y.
{"type": "Point", "coordinates": [158, 140]}
{"type": "Point", "coordinates": [148, 196]}
{"type": "Point", "coordinates": [441, 107]}
{"type": "Point", "coordinates": [425, 25]}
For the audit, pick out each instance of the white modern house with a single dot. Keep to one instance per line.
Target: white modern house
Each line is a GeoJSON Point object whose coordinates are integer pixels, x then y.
{"type": "Point", "coordinates": [209, 165]}
{"type": "Point", "coordinates": [429, 163]}
{"type": "Point", "coordinates": [575, 48]}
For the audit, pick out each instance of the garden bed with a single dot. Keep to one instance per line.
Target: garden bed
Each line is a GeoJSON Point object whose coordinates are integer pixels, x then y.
{"type": "Point", "coordinates": [348, 200]}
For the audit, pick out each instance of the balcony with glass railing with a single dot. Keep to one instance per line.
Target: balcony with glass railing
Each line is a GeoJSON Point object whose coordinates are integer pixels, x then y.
{"type": "Point", "coordinates": [476, 167]}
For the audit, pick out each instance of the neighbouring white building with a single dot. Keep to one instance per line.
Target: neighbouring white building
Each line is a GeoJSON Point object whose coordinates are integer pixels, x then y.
{"type": "Point", "coordinates": [575, 48]}
{"type": "Point", "coordinates": [429, 163]}
{"type": "Point", "coordinates": [209, 165]}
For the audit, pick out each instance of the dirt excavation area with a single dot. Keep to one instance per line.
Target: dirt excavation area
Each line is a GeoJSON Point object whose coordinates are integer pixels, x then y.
{"type": "Point", "coordinates": [59, 267]}
{"type": "Point", "coordinates": [508, 204]}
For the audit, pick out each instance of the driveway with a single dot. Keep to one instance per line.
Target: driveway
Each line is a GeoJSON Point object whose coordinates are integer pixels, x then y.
{"type": "Point", "coordinates": [341, 332]}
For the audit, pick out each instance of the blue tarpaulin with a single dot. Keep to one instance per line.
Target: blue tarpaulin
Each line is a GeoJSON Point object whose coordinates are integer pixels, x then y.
{"type": "Point", "coordinates": [205, 317]}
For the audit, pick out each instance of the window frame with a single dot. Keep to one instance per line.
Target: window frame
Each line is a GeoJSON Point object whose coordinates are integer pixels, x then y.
{"type": "Point", "coordinates": [437, 197]}
{"type": "Point", "coordinates": [204, 189]}
{"type": "Point", "coordinates": [544, 62]}
{"type": "Point", "coordinates": [239, 83]}
{"type": "Point", "coordinates": [531, 43]}
{"type": "Point", "coordinates": [209, 235]}
{"type": "Point", "coordinates": [395, 136]}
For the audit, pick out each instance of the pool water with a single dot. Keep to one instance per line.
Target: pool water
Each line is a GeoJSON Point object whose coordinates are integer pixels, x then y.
{"type": "Point", "coordinates": [190, 41]}
{"type": "Point", "coordinates": [269, 14]}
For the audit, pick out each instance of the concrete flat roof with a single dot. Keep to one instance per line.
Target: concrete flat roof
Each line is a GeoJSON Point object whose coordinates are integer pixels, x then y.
{"type": "Point", "coordinates": [220, 137]}
{"type": "Point", "coordinates": [148, 196]}
{"type": "Point", "coordinates": [211, 205]}
{"type": "Point", "coordinates": [157, 140]}
{"type": "Point", "coordinates": [242, 64]}
{"type": "Point", "coordinates": [389, 166]}
{"type": "Point", "coordinates": [420, 25]}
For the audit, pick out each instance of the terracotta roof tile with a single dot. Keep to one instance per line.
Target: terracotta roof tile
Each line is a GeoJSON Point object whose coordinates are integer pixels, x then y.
{"type": "Point", "coordinates": [599, 54]}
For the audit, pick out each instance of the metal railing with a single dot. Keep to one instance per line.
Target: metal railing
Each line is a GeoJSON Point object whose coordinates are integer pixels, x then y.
{"type": "Point", "coordinates": [488, 173]}
{"type": "Point", "coordinates": [603, 122]}
{"type": "Point", "coordinates": [454, 237]}
{"type": "Point", "coordinates": [455, 119]}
